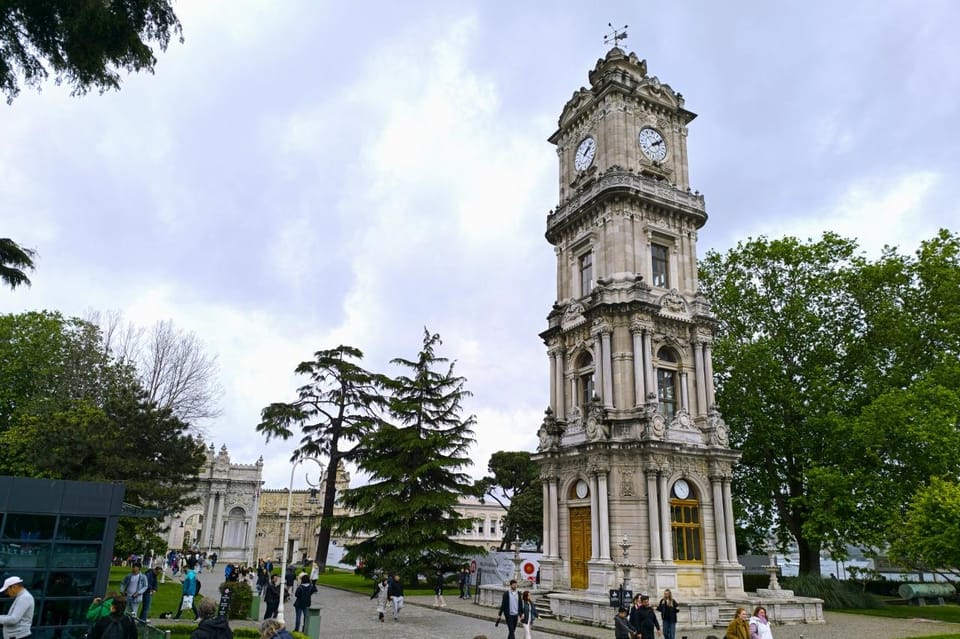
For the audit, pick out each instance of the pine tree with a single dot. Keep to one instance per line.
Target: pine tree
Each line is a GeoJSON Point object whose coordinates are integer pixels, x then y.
{"type": "Point", "coordinates": [415, 461]}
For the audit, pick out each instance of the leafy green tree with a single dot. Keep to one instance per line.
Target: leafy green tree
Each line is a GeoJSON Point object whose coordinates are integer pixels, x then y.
{"type": "Point", "coordinates": [929, 535]}
{"type": "Point", "coordinates": [835, 374]}
{"type": "Point", "coordinates": [14, 262]}
{"type": "Point", "coordinates": [415, 460]}
{"type": "Point", "coordinates": [332, 411]}
{"type": "Point", "coordinates": [83, 42]}
{"type": "Point", "coordinates": [49, 362]}
{"type": "Point", "coordinates": [514, 483]}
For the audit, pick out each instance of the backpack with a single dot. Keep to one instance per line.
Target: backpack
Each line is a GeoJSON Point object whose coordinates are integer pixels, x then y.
{"type": "Point", "coordinates": [114, 630]}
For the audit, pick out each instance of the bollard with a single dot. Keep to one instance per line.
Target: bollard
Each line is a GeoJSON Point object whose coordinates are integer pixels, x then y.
{"type": "Point", "coordinates": [311, 625]}
{"type": "Point", "coordinates": [255, 607]}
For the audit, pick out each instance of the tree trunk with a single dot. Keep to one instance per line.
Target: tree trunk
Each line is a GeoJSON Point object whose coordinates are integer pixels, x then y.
{"type": "Point", "coordinates": [329, 498]}
{"type": "Point", "coordinates": [809, 556]}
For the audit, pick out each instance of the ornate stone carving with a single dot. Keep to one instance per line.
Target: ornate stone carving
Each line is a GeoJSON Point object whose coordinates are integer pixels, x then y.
{"type": "Point", "coordinates": [718, 427]}
{"type": "Point", "coordinates": [575, 421]}
{"type": "Point", "coordinates": [550, 432]}
{"type": "Point", "coordinates": [682, 421]}
{"type": "Point", "coordinates": [596, 425]}
{"type": "Point", "coordinates": [626, 482]}
{"type": "Point", "coordinates": [673, 301]}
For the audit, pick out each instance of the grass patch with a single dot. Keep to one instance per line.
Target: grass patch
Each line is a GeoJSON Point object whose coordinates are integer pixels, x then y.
{"type": "Point", "coordinates": [168, 594]}
{"type": "Point", "coordinates": [348, 580]}
{"type": "Point", "coordinates": [949, 612]}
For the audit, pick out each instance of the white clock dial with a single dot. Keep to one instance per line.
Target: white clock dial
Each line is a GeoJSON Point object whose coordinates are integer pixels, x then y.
{"type": "Point", "coordinates": [585, 153]}
{"type": "Point", "coordinates": [681, 489]}
{"type": "Point", "coordinates": [652, 144]}
{"type": "Point", "coordinates": [582, 489]}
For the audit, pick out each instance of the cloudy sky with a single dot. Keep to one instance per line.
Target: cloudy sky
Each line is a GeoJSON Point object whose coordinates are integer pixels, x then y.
{"type": "Point", "coordinates": [298, 175]}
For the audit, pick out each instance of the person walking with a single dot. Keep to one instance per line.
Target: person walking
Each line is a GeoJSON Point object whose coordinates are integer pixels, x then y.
{"type": "Point", "coordinates": [188, 594]}
{"type": "Point", "coordinates": [116, 625]}
{"type": "Point", "coordinates": [739, 628]}
{"type": "Point", "coordinates": [17, 622]}
{"type": "Point", "coordinates": [381, 594]}
{"type": "Point", "coordinates": [271, 597]}
{"type": "Point", "coordinates": [132, 587]}
{"type": "Point", "coordinates": [211, 626]}
{"type": "Point", "coordinates": [301, 602]}
{"type": "Point", "coordinates": [644, 619]}
{"type": "Point", "coordinates": [438, 590]}
{"type": "Point", "coordinates": [462, 580]}
{"type": "Point", "coordinates": [668, 609]}
{"type": "Point", "coordinates": [314, 572]}
{"type": "Point", "coordinates": [528, 612]}
{"type": "Point", "coordinates": [621, 626]}
{"type": "Point", "coordinates": [395, 594]}
{"type": "Point", "coordinates": [760, 625]}
{"type": "Point", "coordinates": [153, 583]}
{"type": "Point", "coordinates": [510, 609]}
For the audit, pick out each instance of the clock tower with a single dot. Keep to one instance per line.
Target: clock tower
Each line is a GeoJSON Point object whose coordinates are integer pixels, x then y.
{"type": "Point", "coordinates": [635, 461]}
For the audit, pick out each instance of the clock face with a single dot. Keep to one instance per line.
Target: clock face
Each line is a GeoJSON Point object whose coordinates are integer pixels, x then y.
{"type": "Point", "coordinates": [582, 489]}
{"type": "Point", "coordinates": [652, 144]}
{"type": "Point", "coordinates": [585, 153]}
{"type": "Point", "coordinates": [681, 489]}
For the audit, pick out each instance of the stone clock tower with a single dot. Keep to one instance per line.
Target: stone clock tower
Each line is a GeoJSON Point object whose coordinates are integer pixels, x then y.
{"type": "Point", "coordinates": [632, 448]}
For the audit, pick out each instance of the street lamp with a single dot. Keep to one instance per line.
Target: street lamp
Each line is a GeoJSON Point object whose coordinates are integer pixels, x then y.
{"type": "Point", "coordinates": [625, 544]}
{"type": "Point", "coordinates": [286, 531]}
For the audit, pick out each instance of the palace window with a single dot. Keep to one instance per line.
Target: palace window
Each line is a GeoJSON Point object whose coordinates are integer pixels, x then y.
{"type": "Point", "coordinates": [687, 529]}
{"type": "Point", "coordinates": [583, 369]}
{"type": "Point", "coordinates": [586, 274]}
{"type": "Point", "coordinates": [660, 265]}
{"type": "Point", "coordinates": [667, 383]}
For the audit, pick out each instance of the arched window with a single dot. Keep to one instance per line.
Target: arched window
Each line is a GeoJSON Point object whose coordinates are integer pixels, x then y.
{"type": "Point", "coordinates": [667, 381]}
{"type": "Point", "coordinates": [686, 524]}
{"type": "Point", "coordinates": [583, 370]}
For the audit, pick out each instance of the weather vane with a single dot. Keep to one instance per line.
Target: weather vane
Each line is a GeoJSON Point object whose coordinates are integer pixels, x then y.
{"type": "Point", "coordinates": [617, 35]}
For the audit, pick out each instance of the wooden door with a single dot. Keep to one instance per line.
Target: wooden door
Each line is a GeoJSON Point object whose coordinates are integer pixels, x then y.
{"type": "Point", "coordinates": [579, 547]}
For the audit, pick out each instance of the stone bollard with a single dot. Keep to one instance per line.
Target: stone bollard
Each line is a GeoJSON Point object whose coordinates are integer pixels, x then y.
{"type": "Point", "coordinates": [311, 625]}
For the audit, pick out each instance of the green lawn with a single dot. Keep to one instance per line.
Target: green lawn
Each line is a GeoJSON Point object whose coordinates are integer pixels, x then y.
{"type": "Point", "coordinates": [168, 595]}
{"type": "Point", "coordinates": [949, 613]}
{"type": "Point", "coordinates": [347, 580]}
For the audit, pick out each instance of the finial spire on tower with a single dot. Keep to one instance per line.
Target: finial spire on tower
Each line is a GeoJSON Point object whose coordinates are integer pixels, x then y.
{"type": "Point", "coordinates": [614, 38]}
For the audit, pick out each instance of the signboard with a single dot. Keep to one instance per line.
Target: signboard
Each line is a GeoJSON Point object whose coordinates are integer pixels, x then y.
{"type": "Point", "coordinates": [528, 570]}
{"type": "Point", "coordinates": [616, 602]}
{"type": "Point", "coordinates": [224, 606]}
{"type": "Point", "coordinates": [615, 598]}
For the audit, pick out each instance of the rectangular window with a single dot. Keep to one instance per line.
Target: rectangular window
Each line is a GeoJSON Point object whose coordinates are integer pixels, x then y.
{"type": "Point", "coordinates": [659, 256]}
{"type": "Point", "coordinates": [586, 274]}
{"type": "Point", "coordinates": [687, 542]}
{"type": "Point", "coordinates": [667, 391]}
{"type": "Point", "coordinates": [586, 387]}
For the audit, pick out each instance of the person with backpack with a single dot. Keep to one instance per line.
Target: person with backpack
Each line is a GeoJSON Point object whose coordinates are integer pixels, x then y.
{"type": "Point", "coordinates": [116, 625]}
{"type": "Point", "coordinates": [100, 607]}
{"type": "Point", "coordinates": [189, 592]}
{"type": "Point", "coordinates": [301, 601]}
{"type": "Point", "coordinates": [271, 597]}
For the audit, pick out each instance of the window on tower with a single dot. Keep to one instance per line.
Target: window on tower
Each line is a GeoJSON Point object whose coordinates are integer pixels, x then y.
{"type": "Point", "coordinates": [667, 385]}
{"type": "Point", "coordinates": [586, 274]}
{"type": "Point", "coordinates": [660, 258]}
{"type": "Point", "coordinates": [584, 377]}
{"type": "Point", "coordinates": [687, 529]}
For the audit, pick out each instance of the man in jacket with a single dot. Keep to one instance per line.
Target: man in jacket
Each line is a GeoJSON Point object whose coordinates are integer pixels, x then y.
{"type": "Point", "coordinates": [17, 622]}
{"type": "Point", "coordinates": [621, 626]}
{"type": "Point", "coordinates": [132, 587]}
{"type": "Point", "coordinates": [510, 609]}
{"type": "Point", "coordinates": [211, 626]}
{"type": "Point", "coordinates": [152, 586]}
{"type": "Point", "coordinates": [644, 619]}
{"type": "Point", "coordinates": [395, 594]}
{"type": "Point", "coordinates": [271, 597]}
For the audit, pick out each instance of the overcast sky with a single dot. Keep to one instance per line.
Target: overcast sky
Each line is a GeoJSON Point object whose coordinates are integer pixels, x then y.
{"type": "Point", "coordinates": [298, 175]}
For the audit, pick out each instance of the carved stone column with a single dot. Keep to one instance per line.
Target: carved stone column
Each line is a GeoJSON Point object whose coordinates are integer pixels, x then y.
{"type": "Point", "coordinates": [653, 517]}
{"type": "Point", "coordinates": [731, 533]}
{"type": "Point", "coordinates": [720, 520]}
{"type": "Point", "coordinates": [598, 369]}
{"type": "Point", "coordinates": [603, 514]}
{"type": "Point", "coordinates": [607, 369]}
{"type": "Point", "coordinates": [666, 538]}
{"type": "Point", "coordinates": [651, 380]}
{"type": "Point", "coordinates": [636, 333]}
{"type": "Point", "coordinates": [702, 405]}
{"type": "Point", "coordinates": [594, 518]}
{"type": "Point", "coordinates": [560, 406]}
{"type": "Point", "coordinates": [684, 395]}
{"type": "Point", "coordinates": [708, 366]}
{"type": "Point", "coordinates": [555, 515]}
{"type": "Point", "coordinates": [548, 531]}
{"type": "Point", "coordinates": [556, 389]}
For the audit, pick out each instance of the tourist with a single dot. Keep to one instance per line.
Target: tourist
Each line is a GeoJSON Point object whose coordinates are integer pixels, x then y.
{"type": "Point", "coordinates": [301, 602]}
{"type": "Point", "coordinates": [510, 609]}
{"type": "Point", "coordinates": [528, 613]}
{"type": "Point", "coordinates": [274, 629]}
{"type": "Point", "coordinates": [271, 597]}
{"type": "Point", "coordinates": [116, 619]}
{"type": "Point", "coordinates": [739, 628]}
{"type": "Point", "coordinates": [100, 607]}
{"type": "Point", "coordinates": [462, 580]}
{"type": "Point", "coordinates": [438, 590]}
{"type": "Point", "coordinates": [189, 592]}
{"type": "Point", "coordinates": [132, 587]}
{"type": "Point", "coordinates": [395, 594]}
{"type": "Point", "coordinates": [668, 609]}
{"type": "Point", "coordinates": [314, 573]}
{"type": "Point", "coordinates": [760, 625]}
{"type": "Point", "coordinates": [621, 626]}
{"type": "Point", "coordinates": [381, 592]}
{"type": "Point", "coordinates": [17, 622]}
{"type": "Point", "coordinates": [211, 626]}
{"type": "Point", "coordinates": [153, 584]}
{"type": "Point", "coordinates": [644, 619]}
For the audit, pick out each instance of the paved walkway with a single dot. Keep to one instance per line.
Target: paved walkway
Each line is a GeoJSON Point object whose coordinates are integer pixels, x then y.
{"type": "Point", "coordinates": [347, 614]}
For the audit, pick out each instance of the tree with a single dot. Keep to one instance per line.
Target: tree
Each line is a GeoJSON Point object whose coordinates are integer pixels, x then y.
{"type": "Point", "coordinates": [85, 42]}
{"type": "Point", "coordinates": [14, 262]}
{"type": "Point", "coordinates": [334, 410]}
{"type": "Point", "coordinates": [514, 483]}
{"type": "Point", "coordinates": [929, 535]}
{"type": "Point", "coordinates": [834, 373]}
{"type": "Point", "coordinates": [172, 365]}
{"type": "Point", "coordinates": [49, 362]}
{"type": "Point", "coordinates": [415, 460]}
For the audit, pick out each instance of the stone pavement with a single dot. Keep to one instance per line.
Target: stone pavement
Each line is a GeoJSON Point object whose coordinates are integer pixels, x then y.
{"type": "Point", "coordinates": [347, 614]}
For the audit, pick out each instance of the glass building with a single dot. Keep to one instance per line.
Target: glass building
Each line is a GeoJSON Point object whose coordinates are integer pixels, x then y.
{"type": "Point", "coordinates": [58, 537]}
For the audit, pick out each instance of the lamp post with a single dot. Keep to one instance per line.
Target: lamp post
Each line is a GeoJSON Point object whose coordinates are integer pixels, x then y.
{"type": "Point", "coordinates": [286, 531]}
{"type": "Point", "coordinates": [625, 545]}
